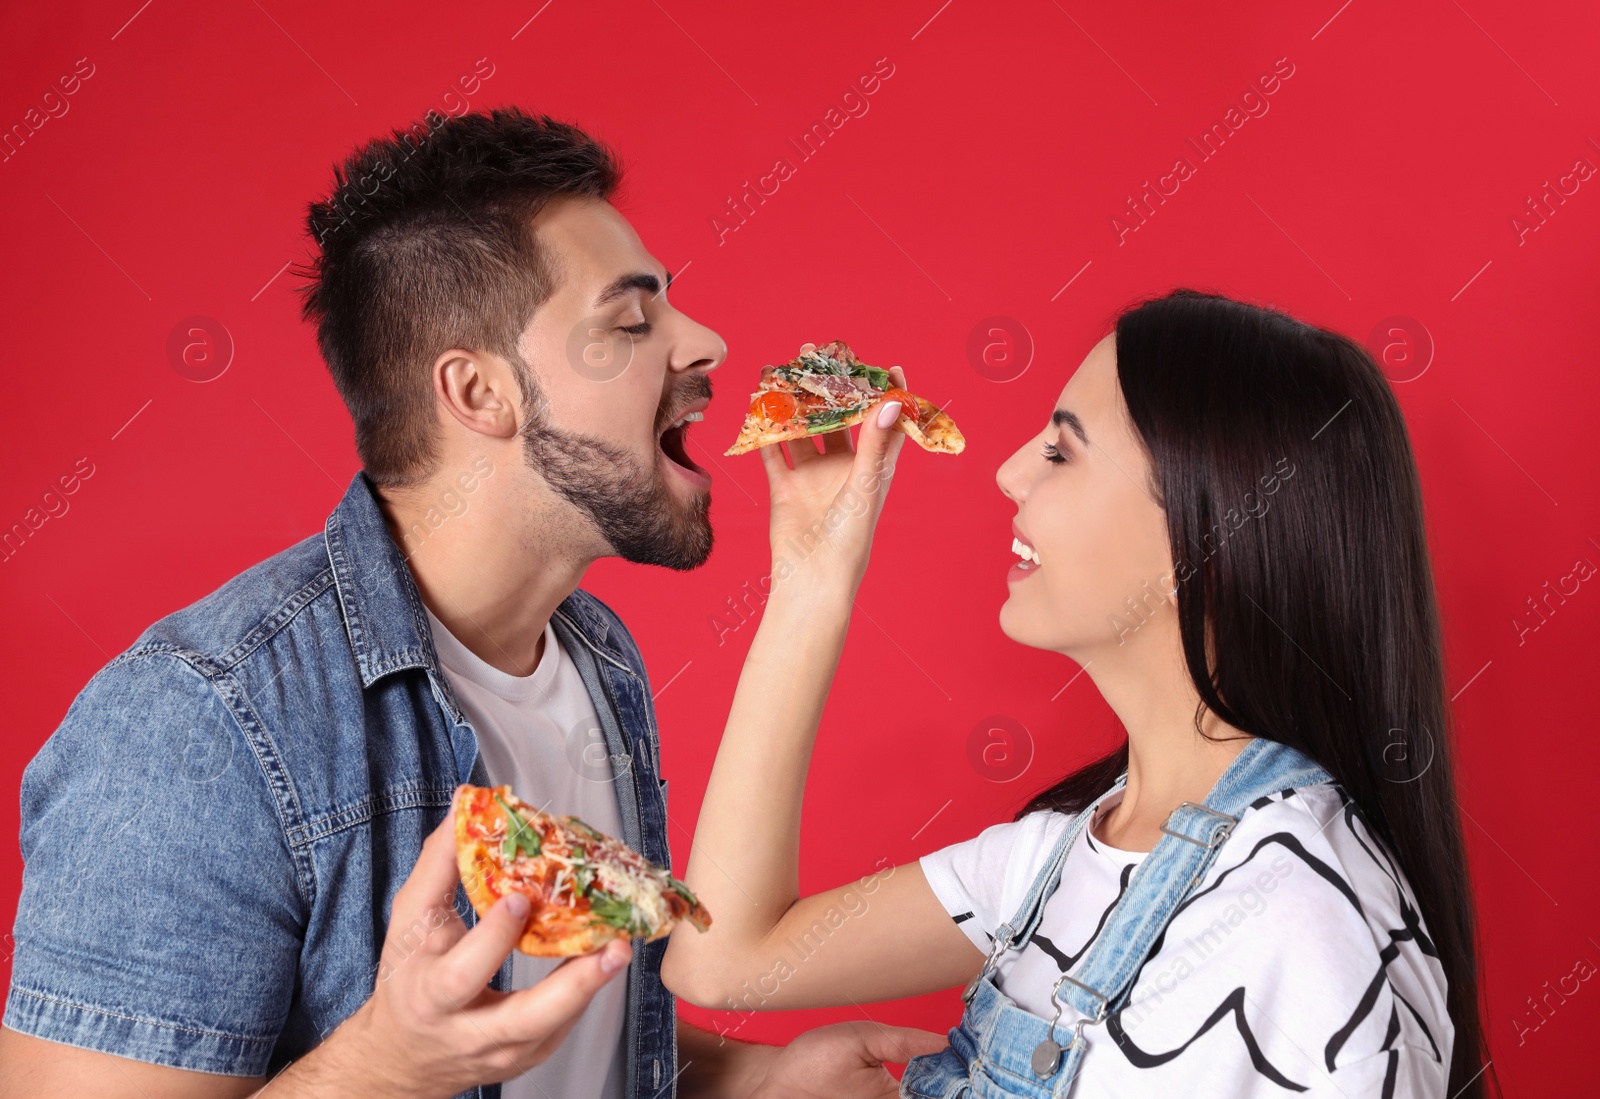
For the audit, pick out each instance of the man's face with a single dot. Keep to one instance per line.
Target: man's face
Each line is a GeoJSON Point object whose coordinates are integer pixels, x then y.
{"type": "Point", "coordinates": [619, 369]}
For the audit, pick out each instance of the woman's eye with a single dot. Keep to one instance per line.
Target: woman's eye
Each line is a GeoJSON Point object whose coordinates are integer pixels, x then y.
{"type": "Point", "coordinates": [1052, 454]}
{"type": "Point", "coordinates": [640, 329]}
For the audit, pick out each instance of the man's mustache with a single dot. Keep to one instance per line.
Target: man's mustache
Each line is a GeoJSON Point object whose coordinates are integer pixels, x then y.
{"type": "Point", "coordinates": [691, 389]}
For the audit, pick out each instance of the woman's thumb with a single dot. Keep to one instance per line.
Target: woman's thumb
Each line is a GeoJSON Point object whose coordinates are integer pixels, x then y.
{"type": "Point", "coordinates": [897, 1044]}
{"type": "Point", "coordinates": [878, 446]}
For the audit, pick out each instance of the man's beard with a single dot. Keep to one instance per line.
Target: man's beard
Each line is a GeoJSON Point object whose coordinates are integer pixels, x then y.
{"type": "Point", "coordinates": [634, 508]}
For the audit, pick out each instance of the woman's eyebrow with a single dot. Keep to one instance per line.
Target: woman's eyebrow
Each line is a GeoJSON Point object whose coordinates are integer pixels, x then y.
{"type": "Point", "coordinates": [1066, 416]}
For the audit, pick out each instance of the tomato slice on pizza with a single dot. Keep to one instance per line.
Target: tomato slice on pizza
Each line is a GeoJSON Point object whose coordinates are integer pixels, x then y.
{"type": "Point", "coordinates": [586, 887]}
{"type": "Point", "coordinates": [829, 389]}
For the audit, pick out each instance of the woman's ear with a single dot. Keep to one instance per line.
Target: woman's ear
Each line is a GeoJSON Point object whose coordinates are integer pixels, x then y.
{"type": "Point", "coordinates": [479, 391]}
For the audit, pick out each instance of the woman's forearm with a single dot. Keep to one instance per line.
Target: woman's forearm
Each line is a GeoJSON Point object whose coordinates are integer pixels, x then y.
{"type": "Point", "coordinates": [887, 935]}
{"type": "Point", "coordinates": [746, 851]}
{"type": "Point", "coordinates": [744, 860]}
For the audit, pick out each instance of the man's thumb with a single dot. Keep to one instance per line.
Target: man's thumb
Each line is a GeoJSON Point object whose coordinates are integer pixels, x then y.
{"type": "Point", "coordinates": [562, 996]}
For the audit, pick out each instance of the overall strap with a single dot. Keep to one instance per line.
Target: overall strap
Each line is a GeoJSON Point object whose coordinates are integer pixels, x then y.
{"type": "Point", "coordinates": [1165, 876]}
{"type": "Point", "coordinates": [1021, 926]}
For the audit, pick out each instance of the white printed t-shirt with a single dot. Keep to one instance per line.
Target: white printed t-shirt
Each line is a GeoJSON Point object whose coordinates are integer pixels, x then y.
{"type": "Point", "coordinates": [1298, 965]}
{"type": "Point", "coordinates": [538, 733]}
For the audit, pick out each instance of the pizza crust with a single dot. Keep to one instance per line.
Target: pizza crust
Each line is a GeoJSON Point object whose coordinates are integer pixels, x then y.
{"type": "Point", "coordinates": [934, 430]}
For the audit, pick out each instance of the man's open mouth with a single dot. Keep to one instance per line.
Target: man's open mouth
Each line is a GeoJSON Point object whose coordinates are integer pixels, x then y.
{"type": "Point", "coordinates": [674, 441]}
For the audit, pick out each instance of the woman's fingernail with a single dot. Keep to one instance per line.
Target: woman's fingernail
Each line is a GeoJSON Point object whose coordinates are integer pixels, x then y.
{"type": "Point", "coordinates": [614, 957]}
{"type": "Point", "coordinates": [517, 904]}
{"type": "Point", "coordinates": [889, 413]}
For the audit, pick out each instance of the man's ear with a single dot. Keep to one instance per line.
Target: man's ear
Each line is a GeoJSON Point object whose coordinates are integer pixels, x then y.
{"type": "Point", "coordinates": [479, 391]}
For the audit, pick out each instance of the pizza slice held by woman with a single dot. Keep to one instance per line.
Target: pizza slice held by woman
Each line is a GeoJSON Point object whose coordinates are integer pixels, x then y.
{"type": "Point", "coordinates": [828, 389]}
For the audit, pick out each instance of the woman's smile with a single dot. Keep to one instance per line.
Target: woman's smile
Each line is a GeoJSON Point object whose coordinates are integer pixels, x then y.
{"type": "Point", "coordinates": [1025, 550]}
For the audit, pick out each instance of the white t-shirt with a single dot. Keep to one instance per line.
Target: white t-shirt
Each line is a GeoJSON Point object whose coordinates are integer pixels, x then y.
{"type": "Point", "coordinates": [1298, 965]}
{"type": "Point", "coordinates": [540, 734]}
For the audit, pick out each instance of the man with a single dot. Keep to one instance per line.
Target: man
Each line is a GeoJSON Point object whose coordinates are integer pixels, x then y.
{"type": "Point", "coordinates": [236, 870]}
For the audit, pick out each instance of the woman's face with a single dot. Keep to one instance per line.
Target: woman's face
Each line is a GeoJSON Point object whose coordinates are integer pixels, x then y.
{"type": "Point", "coordinates": [1103, 577]}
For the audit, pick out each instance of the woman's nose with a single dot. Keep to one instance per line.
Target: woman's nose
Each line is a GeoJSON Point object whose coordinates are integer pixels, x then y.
{"type": "Point", "coordinates": [1008, 477]}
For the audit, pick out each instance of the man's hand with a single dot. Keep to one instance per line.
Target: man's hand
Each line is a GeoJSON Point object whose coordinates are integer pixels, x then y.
{"type": "Point", "coordinates": [843, 1061]}
{"type": "Point", "coordinates": [432, 1026]}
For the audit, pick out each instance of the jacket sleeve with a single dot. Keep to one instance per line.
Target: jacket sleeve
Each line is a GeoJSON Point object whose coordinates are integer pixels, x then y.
{"type": "Point", "coordinates": [161, 915]}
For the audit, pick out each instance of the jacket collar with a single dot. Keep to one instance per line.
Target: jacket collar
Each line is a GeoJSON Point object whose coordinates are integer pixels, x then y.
{"type": "Point", "coordinates": [383, 612]}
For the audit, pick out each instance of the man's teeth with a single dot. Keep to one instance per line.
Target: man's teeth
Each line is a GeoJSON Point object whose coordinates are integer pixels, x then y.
{"type": "Point", "coordinates": [687, 418]}
{"type": "Point", "coordinates": [1024, 551]}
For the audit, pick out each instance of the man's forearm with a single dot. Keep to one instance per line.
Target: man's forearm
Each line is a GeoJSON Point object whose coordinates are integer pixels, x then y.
{"type": "Point", "coordinates": [710, 1066]}
{"type": "Point", "coordinates": [714, 1066]}
{"type": "Point", "coordinates": [317, 1075]}
{"type": "Point", "coordinates": [338, 1069]}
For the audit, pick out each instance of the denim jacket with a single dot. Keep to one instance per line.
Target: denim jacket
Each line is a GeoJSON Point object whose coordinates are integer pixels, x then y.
{"type": "Point", "coordinates": [214, 835]}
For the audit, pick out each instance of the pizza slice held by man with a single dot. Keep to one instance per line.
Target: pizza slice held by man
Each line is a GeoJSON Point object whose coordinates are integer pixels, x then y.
{"type": "Point", "coordinates": [585, 887]}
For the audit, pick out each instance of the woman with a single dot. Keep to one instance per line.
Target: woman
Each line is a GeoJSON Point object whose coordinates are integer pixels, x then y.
{"type": "Point", "coordinates": [1221, 522]}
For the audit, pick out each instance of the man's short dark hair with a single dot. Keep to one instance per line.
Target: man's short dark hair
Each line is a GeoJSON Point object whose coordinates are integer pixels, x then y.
{"type": "Point", "coordinates": [426, 243]}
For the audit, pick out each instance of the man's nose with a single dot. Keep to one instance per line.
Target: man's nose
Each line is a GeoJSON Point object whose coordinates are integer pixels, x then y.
{"type": "Point", "coordinates": [699, 349]}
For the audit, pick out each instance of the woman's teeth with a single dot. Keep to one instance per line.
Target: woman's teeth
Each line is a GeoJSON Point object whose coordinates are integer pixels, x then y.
{"type": "Point", "coordinates": [1029, 555]}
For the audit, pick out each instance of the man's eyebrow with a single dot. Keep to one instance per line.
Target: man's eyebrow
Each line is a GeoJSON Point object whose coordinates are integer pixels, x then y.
{"type": "Point", "coordinates": [637, 280]}
{"type": "Point", "coordinates": [1065, 416]}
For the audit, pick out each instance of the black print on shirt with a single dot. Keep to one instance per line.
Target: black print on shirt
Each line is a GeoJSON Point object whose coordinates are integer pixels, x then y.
{"type": "Point", "coordinates": [1384, 890]}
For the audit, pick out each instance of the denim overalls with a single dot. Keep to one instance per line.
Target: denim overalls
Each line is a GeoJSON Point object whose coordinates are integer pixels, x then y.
{"type": "Point", "coordinates": [1000, 1050]}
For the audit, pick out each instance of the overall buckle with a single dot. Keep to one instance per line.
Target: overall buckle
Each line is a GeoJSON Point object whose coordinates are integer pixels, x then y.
{"type": "Point", "coordinates": [1002, 943]}
{"type": "Point", "coordinates": [1047, 1054]}
{"type": "Point", "coordinates": [1222, 833]}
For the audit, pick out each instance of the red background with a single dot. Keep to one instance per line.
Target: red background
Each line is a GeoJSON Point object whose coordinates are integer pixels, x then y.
{"type": "Point", "coordinates": [983, 177]}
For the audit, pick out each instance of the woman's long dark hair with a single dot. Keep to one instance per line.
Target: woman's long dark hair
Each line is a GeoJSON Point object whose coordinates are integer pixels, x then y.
{"type": "Point", "coordinates": [1307, 612]}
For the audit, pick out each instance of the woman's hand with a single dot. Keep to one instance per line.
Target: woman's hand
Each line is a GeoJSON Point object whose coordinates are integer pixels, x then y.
{"type": "Point", "coordinates": [844, 1061]}
{"type": "Point", "coordinates": [826, 507]}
